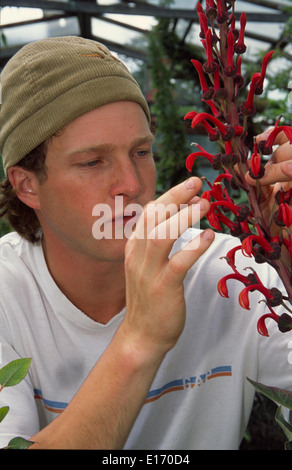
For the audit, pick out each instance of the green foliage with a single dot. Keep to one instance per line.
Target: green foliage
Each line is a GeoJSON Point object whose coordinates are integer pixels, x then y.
{"type": "Point", "coordinates": [18, 443]}
{"type": "Point", "coordinates": [14, 372]}
{"type": "Point", "coordinates": [170, 142]}
{"type": "Point", "coordinates": [172, 77]}
{"type": "Point", "coordinates": [11, 375]}
{"type": "Point", "coordinates": [283, 398]}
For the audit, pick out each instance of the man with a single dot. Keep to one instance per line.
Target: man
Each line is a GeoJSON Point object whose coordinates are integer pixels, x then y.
{"type": "Point", "coordinates": [131, 345]}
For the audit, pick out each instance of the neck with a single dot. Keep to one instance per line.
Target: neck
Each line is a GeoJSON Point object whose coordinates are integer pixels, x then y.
{"type": "Point", "coordinates": [97, 288]}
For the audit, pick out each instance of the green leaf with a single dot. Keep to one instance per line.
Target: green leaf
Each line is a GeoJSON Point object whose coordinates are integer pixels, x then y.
{"type": "Point", "coordinates": [283, 397]}
{"type": "Point", "coordinates": [14, 372]}
{"type": "Point", "coordinates": [287, 427]}
{"type": "Point", "coordinates": [3, 412]}
{"type": "Point", "coordinates": [18, 443]}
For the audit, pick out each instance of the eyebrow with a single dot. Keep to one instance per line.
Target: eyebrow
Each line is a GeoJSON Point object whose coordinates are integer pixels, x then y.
{"type": "Point", "coordinates": [109, 147]}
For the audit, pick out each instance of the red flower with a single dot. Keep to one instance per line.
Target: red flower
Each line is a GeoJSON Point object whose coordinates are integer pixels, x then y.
{"type": "Point", "coordinates": [244, 298]}
{"type": "Point", "coordinates": [247, 244]}
{"type": "Point", "coordinates": [210, 66]}
{"type": "Point", "coordinates": [249, 107]}
{"type": "Point", "coordinates": [222, 284]}
{"type": "Point", "coordinates": [204, 85]}
{"type": "Point", "coordinates": [261, 327]}
{"type": "Point", "coordinates": [283, 216]}
{"type": "Point", "coordinates": [230, 70]}
{"type": "Point", "coordinates": [266, 60]}
{"type": "Point", "coordinates": [192, 157]}
{"type": "Point", "coordinates": [213, 133]}
{"type": "Point", "coordinates": [203, 24]}
{"type": "Point", "coordinates": [240, 47]}
{"type": "Point", "coordinates": [257, 169]}
{"type": "Point", "coordinates": [208, 117]}
{"type": "Point", "coordinates": [270, 141]}
{"type": "Point", "coordinates": [284, 322]}
{"type": "Point", "coordinates": [222, 14]}
{"type": "Point", "coordinates": [215, 217]}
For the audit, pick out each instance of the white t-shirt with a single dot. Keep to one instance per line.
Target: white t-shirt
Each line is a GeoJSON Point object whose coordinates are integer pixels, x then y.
{"type": "Point", "coordinates": [199, 399]}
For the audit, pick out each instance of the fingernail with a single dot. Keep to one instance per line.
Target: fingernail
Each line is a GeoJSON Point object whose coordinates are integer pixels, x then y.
{"type": "Point", "coordinates": [195, 200]}
{"type": "Point", "coordinates": [208, 235]}
{"type": "Point", "coordinates": [288, 168]}
{"type": "Point", "coordinates": [264, 136]}
{"type": "Point", "coordinates": [191, 183]}
{"type": "Point", "coordinates": [202, 204]}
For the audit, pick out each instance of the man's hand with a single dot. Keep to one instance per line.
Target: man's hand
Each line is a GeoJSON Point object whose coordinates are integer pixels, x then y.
{"type": "Point", "coordinates": [278, 172]}
{"type": "Point", "coordinates": [155, 295]}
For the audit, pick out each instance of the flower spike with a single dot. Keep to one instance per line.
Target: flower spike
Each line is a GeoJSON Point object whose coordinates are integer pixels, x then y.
{"type": "Point", "coordinates": [266, 240]}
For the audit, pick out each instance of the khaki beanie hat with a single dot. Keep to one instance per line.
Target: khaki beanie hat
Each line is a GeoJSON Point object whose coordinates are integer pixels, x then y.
{"type": "Point", "coordinates": [51, 82]}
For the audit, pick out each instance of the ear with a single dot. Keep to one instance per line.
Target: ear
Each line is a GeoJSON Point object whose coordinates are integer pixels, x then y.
{"type": "Point", "coordinates": [25, 184]}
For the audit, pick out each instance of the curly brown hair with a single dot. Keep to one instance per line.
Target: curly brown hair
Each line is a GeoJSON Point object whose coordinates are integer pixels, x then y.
{"type": "Point", "coordinates": [21, 217]}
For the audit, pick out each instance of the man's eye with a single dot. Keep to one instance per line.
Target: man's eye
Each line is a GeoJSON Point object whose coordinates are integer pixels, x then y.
{"type": "Point", "coordinates": [142, 153]}
{"type": "Point", "coordinates": [90, 164]}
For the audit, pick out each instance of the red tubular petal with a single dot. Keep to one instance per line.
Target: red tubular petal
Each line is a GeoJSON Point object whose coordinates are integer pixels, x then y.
{"type": "Point", "coordinates": [228, 204]}
{"type": "Point", "coordinates": [285, 214]}
{"type": "Point", "coordinates": [203, 24]}
{"type": "Point", "coordinates": [266, 60]}
{"type": "Point", "coordinates": [255, 162]}
{"type": "Point", "coordinates": [208, 117]}
{"type": "Point", "coordinates": [200, 71]}
{"type": "Point", "coordinates": [231, 255]}
{"type": "Point", "coordinates": [199, 8]}
{"type": "Point", "coordinates": [222, 288]}
{"type": "Point", "coordinates": [255, 79]}
{"type": "Point", "coordinates": [247, 247]}
{"type": "Point", "coordinates": [190, 115]}
{"type": "Point", "coordinates": [243, 299]}
{"type": "Point", "coordinates": [259, 85]}
{"type": "Point", "coordinates": [222, 284]}
{"type": "Point", "coordinates": [286, 129]}
{"type": "Point", "coordinates": [243, 296]}
{"type": "Point", "coordinates": [262, 329]}
{"type": "Point", "coordinates": [192, 157]}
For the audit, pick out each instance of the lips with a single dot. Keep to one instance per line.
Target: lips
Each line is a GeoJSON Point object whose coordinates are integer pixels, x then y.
{"type": "Point", "coordinates": [123, 219]}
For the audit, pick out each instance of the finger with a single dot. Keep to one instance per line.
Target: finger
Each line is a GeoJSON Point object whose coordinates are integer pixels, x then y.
{"type": "Point", "coordinates": [181, 193]}
{"type": "Point", "coordinates": [173, 227]}
{"type": "Point", "coordinates": [282, 153]}
{"type": "Point", "coordinates": [180, 263]}
{"type": "Point", "coordinates": [280, 139]}
{"type": "Point", "coordinates": [166, 205]}
{"type": "Point", "coordinates": [156, 250]}
{"type": "Point", "coordinates": [274, 173]}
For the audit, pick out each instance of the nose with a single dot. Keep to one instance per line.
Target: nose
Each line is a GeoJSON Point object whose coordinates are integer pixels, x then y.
{"type": "Point", "coordinates": [125, 181]}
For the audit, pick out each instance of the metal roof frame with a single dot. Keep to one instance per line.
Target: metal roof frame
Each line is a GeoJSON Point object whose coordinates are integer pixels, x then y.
{"type": "Point", "coordinates": [270, 12]}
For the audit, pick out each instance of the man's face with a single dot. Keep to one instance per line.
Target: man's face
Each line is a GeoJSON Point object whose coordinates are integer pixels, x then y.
{"type": "Point", "coordinates": [104, 154]}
